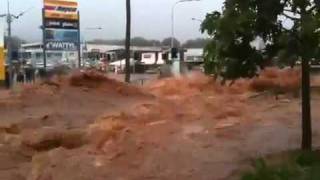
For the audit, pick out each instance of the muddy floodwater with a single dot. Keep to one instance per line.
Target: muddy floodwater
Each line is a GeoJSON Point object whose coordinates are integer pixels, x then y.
{"type": "Point", "coordinates": [88, 126]}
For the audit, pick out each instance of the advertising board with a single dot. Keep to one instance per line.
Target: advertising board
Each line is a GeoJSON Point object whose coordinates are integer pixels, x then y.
{"type": "Point", "coordinates": [62, 35]}
{"type": "Point", "coordinates": [61, 30]}
{"type": "Point", "coordinates": [61, 15]}
{"type": "Point", "coordinates": [61, 24]}
{"type": "Point", "coordinates": [61, 46]}
{"type": "Point", "coordinates": [61, 9]}
{"type": "Point", "coordinates": [62, 3]}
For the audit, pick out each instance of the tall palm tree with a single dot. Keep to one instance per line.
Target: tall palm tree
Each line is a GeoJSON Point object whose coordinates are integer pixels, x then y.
{"type": "Point", "coordinates": [128, 39]}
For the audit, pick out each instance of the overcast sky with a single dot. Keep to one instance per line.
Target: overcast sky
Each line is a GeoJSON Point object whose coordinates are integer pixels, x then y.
{"type": "Point", "coordinates": [150, 18]}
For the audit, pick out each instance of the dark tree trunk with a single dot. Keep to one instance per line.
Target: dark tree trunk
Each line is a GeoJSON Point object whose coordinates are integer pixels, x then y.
{"type": "Point", "coordinates": [306, 109]}
{"type": "Point", "coordinates": [128, 39]}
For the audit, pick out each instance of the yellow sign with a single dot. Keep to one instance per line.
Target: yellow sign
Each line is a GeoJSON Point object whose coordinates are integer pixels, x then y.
{"type": "Point", "coordinates": [67, 3]}
{"type": "Point", "coordinates": [2, 68]}
{"type": "Point", "coordinates": [61, 15]}
{"type": "Point", "coordinates": [61, 9]}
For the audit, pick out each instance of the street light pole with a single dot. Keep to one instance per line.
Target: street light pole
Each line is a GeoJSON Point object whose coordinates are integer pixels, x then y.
{"type": "Point", "coordinates": [172, 18]}
{"type": "Point", "coordinates": [90, 29]}
{"type": "Point", "coordinates": [172, 23]}
{"type": "Point", "coordinates": [84, 42]}
{"type": "Point", "coordinates": [9, 19]}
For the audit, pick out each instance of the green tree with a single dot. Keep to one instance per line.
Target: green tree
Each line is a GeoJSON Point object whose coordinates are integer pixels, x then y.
{"type": "Point", "coordinates": [230, 54]}
{"type": "Point", "coordinates": [195, 43]}
{"type": "Point", "coordinates": [16, 42]}
{"type": "Point", "coordinates": [140, 41]}
{"type": "Point", "coordinates": [167, 42]}
{"type": "Point", "coordinates": [107, 42]}
{"type": "Point", "coordinates": [135, 41]}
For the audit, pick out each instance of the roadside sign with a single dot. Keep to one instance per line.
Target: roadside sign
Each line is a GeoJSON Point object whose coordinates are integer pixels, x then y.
{"type": "Point", "coordinates": [61, 15]}
{"type": "Point", "coordinates": [61, 46]}
{"type": "Point", "coordinates": [61, 26]}
{"type": "Point", "coordinates": [62, 35]}
{"type": "Point", "coordinates": [61, 9]}
{"type": "Point", "coordinates": [61, 3]}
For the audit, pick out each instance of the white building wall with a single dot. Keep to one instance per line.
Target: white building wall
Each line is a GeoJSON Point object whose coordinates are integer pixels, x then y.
{"type": "Point", "coordinates": [193, 55]}
{"type": "Point", "coordinates": [150, 58]}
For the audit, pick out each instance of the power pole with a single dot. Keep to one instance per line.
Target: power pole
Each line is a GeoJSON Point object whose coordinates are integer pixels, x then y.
{"type": "Point", "coordinates": [128, 39]}
{"type": "Point", "coordinates": [306, 99]}
{"type": "Point", "coordinates": [9, 49]}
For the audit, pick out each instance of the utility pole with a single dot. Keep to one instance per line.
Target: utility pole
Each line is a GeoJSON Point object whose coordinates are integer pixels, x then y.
{"type": "Point", "coordinates": [44, 43]}
{"type": "Point", "coordinates": [306, 99]}
{"type": "Point", "coordinates": [9, 19]}
{"type": "Point", "coordinates": [79, 42]}
{"type": "Point", "coordinates": [9, 49]}
{"type": "Point", "coordinates": [128, 39]}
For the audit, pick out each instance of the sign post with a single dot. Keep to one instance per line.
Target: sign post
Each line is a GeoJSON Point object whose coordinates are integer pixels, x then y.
{"type": "Point", "coordinates": [44, 41]}
{"type": "Point", "coordinates": [2, 56]}
{"type": "Point", "coordinates": [79, 44]}
{"type": "Point", "coordinates": [61, 27]}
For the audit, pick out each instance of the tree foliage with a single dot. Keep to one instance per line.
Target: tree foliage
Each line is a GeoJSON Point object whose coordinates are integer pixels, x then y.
{"type": "Point", "coordinates": [107, 42]}
{"type": "Point", "coordinates": [140, 41]}
{"type": "Point", "coordinates": [16, 42]}
{"type": "Point", "coordinates": [167, 42]}
{"type": "Point", "coordinates": [195, 43]}
{"type": "Point", "coordinates": [289, 28]}
{"type": "Point", "coordinates": [135, 41]}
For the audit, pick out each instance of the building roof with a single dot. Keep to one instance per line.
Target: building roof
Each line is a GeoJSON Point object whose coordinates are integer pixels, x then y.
{"type": "Point", "coordinates": [102, 48]}
{"type": "Point", "coordinates": [106, 48]}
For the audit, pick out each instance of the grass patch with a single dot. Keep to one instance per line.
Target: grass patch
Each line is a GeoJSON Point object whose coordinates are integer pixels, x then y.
{"type": "Point", "coordinates": [292, 166]}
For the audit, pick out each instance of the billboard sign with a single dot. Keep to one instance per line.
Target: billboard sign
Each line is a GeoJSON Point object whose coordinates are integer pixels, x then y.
{"type": "Point", "coordinates": [61, 15]}
{"type": "Point", "coordinates": [62, 39]}
{"type": "Point", "coordinates": [61, 35]}
{"type": "Point", "coordinates": [2, 57]}
{"type": "Point", "coordinates": [61, 9]}
{"type": "Point", "coordinates": [61, 3]}
{"type": "Point", "coordinates": [61, 25]}
{"type": "Point", "coordinates": [61, 46]}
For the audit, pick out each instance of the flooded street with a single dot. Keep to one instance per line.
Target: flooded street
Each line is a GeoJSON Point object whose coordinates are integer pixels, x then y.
{"type": "Point", "coordinates": [176, 128]}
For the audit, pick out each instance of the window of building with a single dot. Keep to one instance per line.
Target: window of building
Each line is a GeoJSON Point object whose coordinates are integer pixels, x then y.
{"type": "Point", "coordinates": [147, 56]}
{"type": "Point", "coordinates": [38, 55]}
{"type": "Point", "coordinates": [190, 58]}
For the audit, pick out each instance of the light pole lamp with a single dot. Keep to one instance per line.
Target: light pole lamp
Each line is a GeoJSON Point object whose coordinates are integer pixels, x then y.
{"type": "Point", "coordinates": [93, 28]}
{"type": "Point", "coordinates": [195, 19]}
{"type": "Point", "coordinates": [84, 42]}
{"type": "Point", "coordinates": [90, 29]}
{"type": "Point", "coordinates": [172, 18]}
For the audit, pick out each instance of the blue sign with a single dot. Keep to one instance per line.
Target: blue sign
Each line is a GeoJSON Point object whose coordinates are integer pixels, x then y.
{"type": "Point", "coordinates": [62, 35]}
